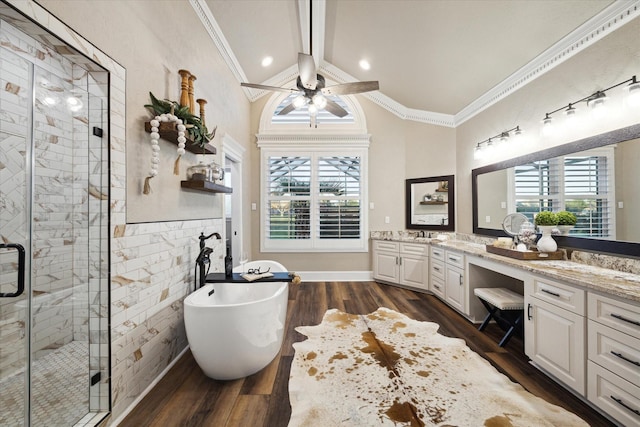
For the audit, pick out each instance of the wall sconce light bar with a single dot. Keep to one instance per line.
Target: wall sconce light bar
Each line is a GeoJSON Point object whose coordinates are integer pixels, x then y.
{"type": "Point", "coordinates": [595, 101]}
{"type": "Point", "coordinates": [490, 143]}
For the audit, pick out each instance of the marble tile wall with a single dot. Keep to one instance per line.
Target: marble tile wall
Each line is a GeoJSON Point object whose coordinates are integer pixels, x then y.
{"type": "Point", "coordinates": [70, 218]}
{"type": "Point", "coordinates": [151, 264]}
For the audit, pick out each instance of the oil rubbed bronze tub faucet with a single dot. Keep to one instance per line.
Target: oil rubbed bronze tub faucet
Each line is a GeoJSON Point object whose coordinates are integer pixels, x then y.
{"type": "Point", "coordinates": [203, 258]}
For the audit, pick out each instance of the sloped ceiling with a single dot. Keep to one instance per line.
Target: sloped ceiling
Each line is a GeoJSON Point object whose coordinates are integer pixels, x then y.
{"type": "Point", "coordinates": [431, 57]}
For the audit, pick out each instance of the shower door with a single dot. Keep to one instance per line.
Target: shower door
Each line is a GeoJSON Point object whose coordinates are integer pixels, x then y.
{"type": "Point", "coordinates": [52, 223]}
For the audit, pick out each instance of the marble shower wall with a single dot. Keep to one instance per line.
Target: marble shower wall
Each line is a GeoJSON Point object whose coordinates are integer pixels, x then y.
{"type": "Point", "coordinates": [50, 100]}
{"type": "Point", "coordinates": [151, 264]}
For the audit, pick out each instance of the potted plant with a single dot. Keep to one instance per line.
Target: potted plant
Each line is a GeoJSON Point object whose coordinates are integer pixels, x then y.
{"type": "Point", "coordinates": [566, 221]}
{"type": "Point", "coordinates": [546, 221]}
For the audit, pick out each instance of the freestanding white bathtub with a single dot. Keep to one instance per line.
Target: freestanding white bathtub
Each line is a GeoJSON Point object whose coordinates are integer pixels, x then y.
{"type": "Point", "coordinates": [238, 329]}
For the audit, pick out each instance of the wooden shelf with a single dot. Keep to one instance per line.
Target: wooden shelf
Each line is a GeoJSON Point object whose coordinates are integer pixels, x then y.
{"type": "Point", "coordinates": [206, 186]}
{"type": "Point", "coordinates": [433, 203]}
{"type": "Point", "coordinates": [169, 132]}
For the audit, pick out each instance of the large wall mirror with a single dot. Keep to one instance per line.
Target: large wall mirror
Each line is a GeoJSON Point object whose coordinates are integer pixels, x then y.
{"type": "Point", "coordinates": [597, 178]}
{"type": "Point", "coordinates": [430, 203]}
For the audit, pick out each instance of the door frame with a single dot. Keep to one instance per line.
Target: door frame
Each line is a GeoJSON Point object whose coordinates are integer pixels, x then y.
{"type": "Point", "coordinates": [233, 152]}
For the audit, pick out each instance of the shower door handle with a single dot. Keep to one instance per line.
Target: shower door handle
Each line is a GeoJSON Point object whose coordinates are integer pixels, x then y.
{"type": "Point", "coordinates": [20, 250]}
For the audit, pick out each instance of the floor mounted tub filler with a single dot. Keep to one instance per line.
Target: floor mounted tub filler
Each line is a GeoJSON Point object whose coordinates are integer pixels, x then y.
{"type": "Point", "coordinates": [237, 330]}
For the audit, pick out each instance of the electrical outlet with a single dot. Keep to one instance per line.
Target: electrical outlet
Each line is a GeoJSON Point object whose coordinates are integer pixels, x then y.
{"type": "Point", "coordinates": [487, 219]}
{"type": "Point", "coordinates": [254, 206]}
{"type": "Point", "coordinates": [503, 205]}
{"type": "Point", "coordinates": [370, 205]}
{"type": "Point", "coordinates": [620, 205]}
{"type": "Point", "coordinates": [387, 220]}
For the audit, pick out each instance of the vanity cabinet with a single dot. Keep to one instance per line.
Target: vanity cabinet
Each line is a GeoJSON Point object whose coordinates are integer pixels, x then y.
{"type": "Point", "coordinates": [555, 330]}
{"type": "Point", "coordinates": [613, 366]}
{"type": "Point", "coordinates": [401, 263]}
{"type": "Point", "coordinates": [447, 278]}
{"type": "Point", "coordinates": [455, 289]}
{"type": "Point", "coordinates": [437, 272]}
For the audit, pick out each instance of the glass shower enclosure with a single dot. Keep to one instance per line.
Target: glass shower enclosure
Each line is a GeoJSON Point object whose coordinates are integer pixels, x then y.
{"type": "Point", "coordinates": [54, 251]}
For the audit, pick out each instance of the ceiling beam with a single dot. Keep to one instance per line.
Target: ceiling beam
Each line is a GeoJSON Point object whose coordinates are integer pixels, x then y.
{"type": "Point", "coordinates": [318, 13]}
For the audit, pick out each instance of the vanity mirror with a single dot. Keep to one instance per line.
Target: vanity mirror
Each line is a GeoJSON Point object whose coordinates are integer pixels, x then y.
{"type": "Point", "coordinates": [430, 203]}
{"type": "Point", "coordinates": [597, 178]}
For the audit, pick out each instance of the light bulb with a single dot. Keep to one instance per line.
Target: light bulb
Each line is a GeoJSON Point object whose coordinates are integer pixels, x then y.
{"type": "Point", "coordinates": [478, 153]}
{"type": "Point", "coordinates": [597, 105]}
{"type": "Point", "coordinates": [319, 101]}
{"type": "Point", "coordinates": [547, 126]}
{"type": "Point", "coordinates": [313, 110]}
{"type": "Point", "coordinates": [299, 101]}
{"type": "Point", "coordinates": [633, 94]}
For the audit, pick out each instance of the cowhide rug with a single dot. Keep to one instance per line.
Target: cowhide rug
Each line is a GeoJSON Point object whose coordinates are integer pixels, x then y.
{"type": "Point", "coordinates": [385, 369]}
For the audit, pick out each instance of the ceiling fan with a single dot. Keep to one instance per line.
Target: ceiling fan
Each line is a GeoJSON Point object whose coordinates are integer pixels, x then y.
{"type": "Point", "coordinates": [313, 92]}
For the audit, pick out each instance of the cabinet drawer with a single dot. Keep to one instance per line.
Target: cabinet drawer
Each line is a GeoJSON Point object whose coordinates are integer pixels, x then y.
{"type": "Point", "coordinates": [559, 294]}
{"type": "Point", "coordinates": [615, 351]}
{"type": "Point", "coordinates": [437, 270]}
{"type": "Point", "coordinates": [437, 253]}
{"type": "Point", "coordinates": [614, 395]}
{"type": "Point", "coordinates": [414, 249]}
{"type": "Point", "coordinates": [454, 258]}
{"type": "Point", "coordinates": [619, 315]}
{"type": "Point", "coordinates": [437, 287]}
{"type": "Point", "coordinates": [386, 245]}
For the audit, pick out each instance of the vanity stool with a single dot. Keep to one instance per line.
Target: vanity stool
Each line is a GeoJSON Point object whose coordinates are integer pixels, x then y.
{"type": "Point", "coordinates": [504, 306]}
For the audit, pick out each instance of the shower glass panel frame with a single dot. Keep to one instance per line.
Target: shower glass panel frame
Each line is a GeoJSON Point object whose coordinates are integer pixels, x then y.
{"type": "Point", "coordinates": [54, 201]}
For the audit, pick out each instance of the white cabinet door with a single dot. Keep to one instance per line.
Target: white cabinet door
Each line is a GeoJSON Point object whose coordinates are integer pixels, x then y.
{"type": "Point", "coordinates": [385, 266]}
{"type": "Point", "coordinates": [555, 341]}
{"type": "Point", "coordinates": [454, 287]}
{"type": "Point", "coordinates": [414, 271]}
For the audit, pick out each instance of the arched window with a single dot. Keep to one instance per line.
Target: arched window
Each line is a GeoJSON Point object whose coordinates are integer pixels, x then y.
{"type": "Point", "coordinates": [313, 192]}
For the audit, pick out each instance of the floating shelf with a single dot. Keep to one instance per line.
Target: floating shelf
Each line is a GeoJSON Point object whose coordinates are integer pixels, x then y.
{"type": "Point", "coordinates": [206, 186]}
{"type": "Point", "coordinates": [169, 132]}
{"type": "Point", "coordinates": [433, 203]}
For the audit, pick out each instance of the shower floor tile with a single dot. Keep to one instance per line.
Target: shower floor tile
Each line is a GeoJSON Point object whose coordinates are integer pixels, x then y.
{"type": "Point", "coordinates": [60, 388]}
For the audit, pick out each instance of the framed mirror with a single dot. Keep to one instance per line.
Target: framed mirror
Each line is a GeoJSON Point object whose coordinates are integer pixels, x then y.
{"type": "Point", "coordinates": [430, 203]}
{"type": "Point", "coordinates": [600, 180]}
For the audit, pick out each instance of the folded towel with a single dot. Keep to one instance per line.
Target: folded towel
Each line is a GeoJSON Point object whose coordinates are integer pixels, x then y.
{"type": "Point", "coordinates": [251, 277]}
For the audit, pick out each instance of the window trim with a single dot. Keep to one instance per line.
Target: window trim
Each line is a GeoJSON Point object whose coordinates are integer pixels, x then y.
{"type": "Point", "coordinates": [314, 146]}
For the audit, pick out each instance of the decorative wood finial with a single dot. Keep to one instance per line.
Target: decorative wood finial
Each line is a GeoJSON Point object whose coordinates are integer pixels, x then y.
{"type": "Point", "coordinates": [192, 104]}
{"type": "Point", "coordinates": [202, 102]}
{"type": "Point", "coordinates": [184, 87]}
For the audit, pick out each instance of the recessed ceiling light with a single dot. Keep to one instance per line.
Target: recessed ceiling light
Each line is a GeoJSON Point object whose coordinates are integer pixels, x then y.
{"type": "Point", "coordinates": [266, 61]}
{"type": "Point", "coordinates": [364, 64]}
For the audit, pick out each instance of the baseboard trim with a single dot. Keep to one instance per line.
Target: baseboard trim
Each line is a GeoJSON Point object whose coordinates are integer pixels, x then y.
{"type": "Point", "coordinates": [335, 276]}
{"type": "Point", "coordinates": [146, 391]}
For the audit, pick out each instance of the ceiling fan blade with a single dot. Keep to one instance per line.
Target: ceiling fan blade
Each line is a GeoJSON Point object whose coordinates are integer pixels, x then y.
{"type": "Point", "coordinates": [335, 109]}
{"type": "Point", "coordinates": [265, 87]}
{"type": "Point", "coordinates": [351, 88]}
{"type": "Point", "coordinates": [307, 71]}
{"type": "Point", "coordinates": [286, 110]}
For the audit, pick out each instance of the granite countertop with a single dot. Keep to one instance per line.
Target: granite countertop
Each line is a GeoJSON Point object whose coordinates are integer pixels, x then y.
{"type": "Point", "coordinates": [618, 283]}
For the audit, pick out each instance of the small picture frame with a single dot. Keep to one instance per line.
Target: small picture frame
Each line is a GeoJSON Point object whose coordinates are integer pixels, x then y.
{"type": "Point", "coordinates": [443, 186]}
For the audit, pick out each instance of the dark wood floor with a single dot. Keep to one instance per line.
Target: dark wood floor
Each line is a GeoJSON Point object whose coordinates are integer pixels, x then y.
{"type": "Point", "coordinates": [185, 397]}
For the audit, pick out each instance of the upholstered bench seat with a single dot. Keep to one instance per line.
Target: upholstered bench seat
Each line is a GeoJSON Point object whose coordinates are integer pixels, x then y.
{"type": "Point", "coordinates": [497, 300]}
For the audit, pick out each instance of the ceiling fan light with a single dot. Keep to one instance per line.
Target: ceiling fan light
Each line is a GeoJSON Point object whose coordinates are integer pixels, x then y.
{"type": "Point", "coordinates": [319, 101]}
{"type": "Point", "coordinates": [313, 110]}
{"type": "Point", "coordinates": [299, 101]}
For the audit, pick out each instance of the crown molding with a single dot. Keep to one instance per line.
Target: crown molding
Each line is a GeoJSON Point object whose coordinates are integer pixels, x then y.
{"type": "Point", "coordinates": [610, 19]}
{"type": "Point", "coordinates": [212, 27]}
